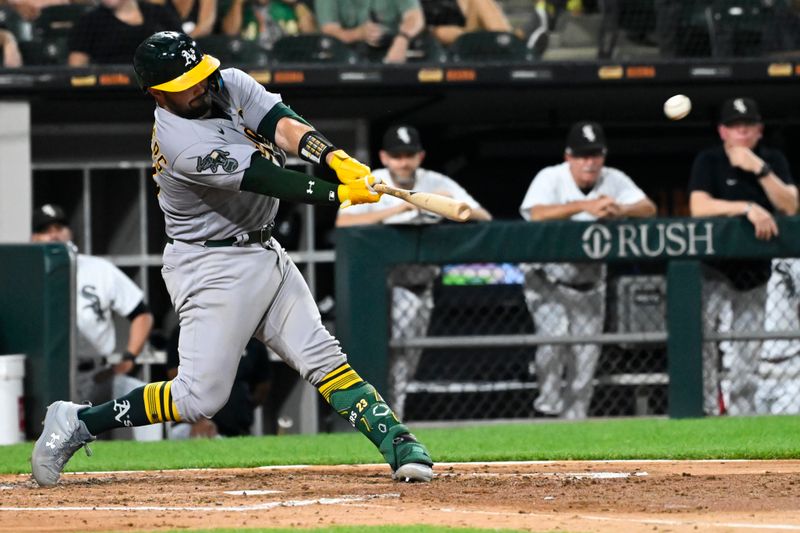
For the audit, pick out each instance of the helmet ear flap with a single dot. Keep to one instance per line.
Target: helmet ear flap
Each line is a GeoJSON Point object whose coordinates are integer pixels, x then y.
{"type": "Point", "coordinates": [215, 82]}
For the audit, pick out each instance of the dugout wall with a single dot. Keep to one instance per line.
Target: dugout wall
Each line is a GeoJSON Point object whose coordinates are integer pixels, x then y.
{"type": "Point", "coordinates": [36, 283]}
{"type": "Point", "coordinates": [366, 257]}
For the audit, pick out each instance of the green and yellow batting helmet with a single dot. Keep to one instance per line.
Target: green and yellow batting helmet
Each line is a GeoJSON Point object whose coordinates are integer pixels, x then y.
{"type": "Point", "coordinates": [171, 61]}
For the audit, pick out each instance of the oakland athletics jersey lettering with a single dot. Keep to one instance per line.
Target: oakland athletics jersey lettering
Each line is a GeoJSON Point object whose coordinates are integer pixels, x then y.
{"type": "Point", "coordinates": [159, 161]}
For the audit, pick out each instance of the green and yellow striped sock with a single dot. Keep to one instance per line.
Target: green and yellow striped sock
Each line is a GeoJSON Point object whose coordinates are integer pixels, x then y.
{"type": "Point", "coordinates": [142, 406]}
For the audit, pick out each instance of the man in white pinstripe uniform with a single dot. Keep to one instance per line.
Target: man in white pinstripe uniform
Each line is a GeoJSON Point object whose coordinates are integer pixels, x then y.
{"type": "Point", "coordinates": [568, 299]}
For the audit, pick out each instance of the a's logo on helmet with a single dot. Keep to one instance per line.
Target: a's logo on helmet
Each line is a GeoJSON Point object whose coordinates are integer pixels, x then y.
{"type": "Point", "coordinates": [190, 56]}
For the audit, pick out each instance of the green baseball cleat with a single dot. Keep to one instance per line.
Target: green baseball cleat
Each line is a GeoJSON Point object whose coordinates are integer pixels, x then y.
{"type": "Point", "coordinates": [409, 459]}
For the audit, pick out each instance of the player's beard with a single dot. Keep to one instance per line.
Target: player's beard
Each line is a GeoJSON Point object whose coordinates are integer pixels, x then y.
{"type": "Point", "coordinates": [198, 107]}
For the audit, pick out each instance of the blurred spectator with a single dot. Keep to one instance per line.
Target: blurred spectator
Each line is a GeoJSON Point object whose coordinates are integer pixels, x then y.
{"type": "Point", "coordinates": [448, 19]}
{"type": "Point", "coordinates": [11, 56]}
{"type": "Point", "coordinates": [31, 9]}
{"type": "Point", "coordinates": [197, 16]}
{"type": "Point", "coordinates": [292, 16]}
{"type": "Point", "coordinates": [237, 18]}
{"type": "Point", "coordinates": [381, 24]}
{"type": "Point", "coordinates": [569, 299]}
{"type": "Point", "coordinates": [402, 155]}
{"type": "Point", "coordinates": [266, 20]}
{"type": "Point", "coordinates": [545, 13]}
{"type": "Point", "coordinates": [110, 33]}
{"type": "Point", "coordinates": [250, 389]}
{"type": "Point", "coordinates": [740, 177]}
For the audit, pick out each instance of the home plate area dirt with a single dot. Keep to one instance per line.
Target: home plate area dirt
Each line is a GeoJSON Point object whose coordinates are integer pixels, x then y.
{"type": "Point", "coordinates": [618, 496]}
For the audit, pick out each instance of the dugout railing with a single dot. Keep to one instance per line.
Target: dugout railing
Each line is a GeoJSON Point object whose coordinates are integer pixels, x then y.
{"type": "Point", "coordinates": [367, 258]}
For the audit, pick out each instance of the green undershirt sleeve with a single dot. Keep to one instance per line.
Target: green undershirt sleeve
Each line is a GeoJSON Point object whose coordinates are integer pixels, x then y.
{"type": "Point", "coordinates": [264, 177]}
{"type": "Point", "coordinates": [268, 124]}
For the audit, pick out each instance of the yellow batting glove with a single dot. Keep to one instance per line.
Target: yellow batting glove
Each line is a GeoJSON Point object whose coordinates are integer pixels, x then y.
{"type": "Point", "coordinates": [347, 169]}
{"type": "Point", "coordinates": [359, 191]}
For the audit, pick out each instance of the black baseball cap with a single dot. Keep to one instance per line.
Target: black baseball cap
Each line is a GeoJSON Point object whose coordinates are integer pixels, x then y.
{"type": "Point", "coordinates": [402, 139]}
{"type": "Point", "coordinates": [739, 110]}
{"type": "Point", "coordinates": [586, 139]}
{"type": "Point", "coordinates": [48, 214]}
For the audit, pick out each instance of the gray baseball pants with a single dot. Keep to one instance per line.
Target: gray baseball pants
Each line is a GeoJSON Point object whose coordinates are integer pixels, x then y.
{"type": "Point", "coordinates": [223, 297]}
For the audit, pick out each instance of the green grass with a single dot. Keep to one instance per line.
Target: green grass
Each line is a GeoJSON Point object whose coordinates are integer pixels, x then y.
{"type": "Point", "coordinates": [710, 438]}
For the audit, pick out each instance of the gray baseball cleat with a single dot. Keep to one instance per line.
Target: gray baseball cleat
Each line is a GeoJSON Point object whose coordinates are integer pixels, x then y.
{"type": "Point", "coordinates": [413, 472]}
{"type": "Point", "coordinates": [62, 435]}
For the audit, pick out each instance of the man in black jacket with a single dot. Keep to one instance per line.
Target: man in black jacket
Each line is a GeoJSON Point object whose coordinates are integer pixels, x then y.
{"type": "Point", "coordinates": [740, 177]}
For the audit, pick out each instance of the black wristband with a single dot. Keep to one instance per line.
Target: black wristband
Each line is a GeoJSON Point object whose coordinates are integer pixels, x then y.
{"type": "Point", "coordinates": [765, 171]}
{"type": "Point", "coordinates": [128, 356]}
{"type": "Point", "coordinates": [314, 147]}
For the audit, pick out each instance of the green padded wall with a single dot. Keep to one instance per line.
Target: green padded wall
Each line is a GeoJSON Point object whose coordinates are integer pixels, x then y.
{"type": "Point", "coordinates": [365, 254]}
{"type": "Point", "coordinates": [35, 310]}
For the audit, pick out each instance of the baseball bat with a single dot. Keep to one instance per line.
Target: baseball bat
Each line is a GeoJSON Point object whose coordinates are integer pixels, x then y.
{"type": "Point", "coordinates": [435, 203]}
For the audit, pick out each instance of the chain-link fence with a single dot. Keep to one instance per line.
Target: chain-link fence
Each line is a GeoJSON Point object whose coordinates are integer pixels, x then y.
{"type": "Point", "coordinates": [495, 341]}
{"type": "Point", "coordinates": [751, 357]}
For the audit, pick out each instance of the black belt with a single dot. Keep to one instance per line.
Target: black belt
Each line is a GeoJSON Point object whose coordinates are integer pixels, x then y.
{"type": "Point", "coordinates": [580, 287]}
{"type": "Point", "coordinates": [259, 236]}
{"type": "Point", "coordinates": [87, 365]}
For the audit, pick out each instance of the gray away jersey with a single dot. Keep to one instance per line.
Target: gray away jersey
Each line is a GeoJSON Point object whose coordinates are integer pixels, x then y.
{"type": "Point", "coordinates": [200, 164]}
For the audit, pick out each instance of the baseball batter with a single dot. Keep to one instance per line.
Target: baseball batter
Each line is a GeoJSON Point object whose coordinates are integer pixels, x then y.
{"type": "Point", "coordinates": [569, 299]}
{"type": "Point", "coordinates": [218, 147]}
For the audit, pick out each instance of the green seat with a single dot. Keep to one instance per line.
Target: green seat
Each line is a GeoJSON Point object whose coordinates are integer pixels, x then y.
{"type": "Point", "coordinates": [233, 50]}
{"type": "Point", "coordinates": [489, 46]}
{"type": "Point", "coordinates": [693, 37]}
{"type": "Point", "coordinates": [58, 21]}
{"type": "Point", "coordinates": [44, 51]}
{"type": "Point", "coordinates": [312, 48]}
{"type": "Point", "coordinates": [10, 20]}
{"type": "Point", "coordinates": [735, 27]}
{"type": "Point", "coordinates": [425, 48]}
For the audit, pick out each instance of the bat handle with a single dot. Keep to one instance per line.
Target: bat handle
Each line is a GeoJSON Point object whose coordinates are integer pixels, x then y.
{"type": "Point", "coordinates": [463, 213]}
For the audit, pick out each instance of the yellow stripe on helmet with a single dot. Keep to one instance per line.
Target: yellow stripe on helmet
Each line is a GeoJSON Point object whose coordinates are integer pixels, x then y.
{"type": "Point", "coordinates": [201, 71]}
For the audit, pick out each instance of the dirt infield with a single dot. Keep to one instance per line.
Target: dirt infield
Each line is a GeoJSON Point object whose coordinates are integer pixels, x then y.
{"type": "Point", "coordinates": [573, 496]}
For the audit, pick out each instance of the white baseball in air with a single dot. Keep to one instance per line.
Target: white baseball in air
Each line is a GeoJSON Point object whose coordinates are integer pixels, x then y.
{"type": "Point", "coordinates": [677, 106]}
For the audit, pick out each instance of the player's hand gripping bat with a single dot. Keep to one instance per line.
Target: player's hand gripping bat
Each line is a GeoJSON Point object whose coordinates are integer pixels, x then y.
{"type": "Point", "coordinates": [435, 203]}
